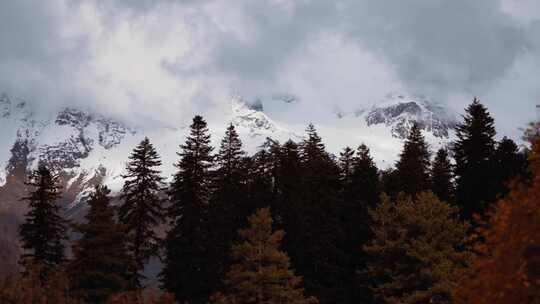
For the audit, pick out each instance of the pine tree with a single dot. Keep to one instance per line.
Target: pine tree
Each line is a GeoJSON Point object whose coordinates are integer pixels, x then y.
{"type": "Point", "coordinates": [288, 192]}
{"type": "Point", "coordinates": [442, 183]}
{"type": "Point", "coordinates": [473, 152]}
{"type": "Point", "coordinates": [142, 208]}
{"type": "Point", "coordinates": [261, 273]}
{"type": "Point", "coordinates": [229, 205]}
{"type": "Point", "coordinates": [509, 164]}
{"type": "Point", "coordinates": [261, 170]}
{"type": "Point", "coordinates": [365, 178]}
{"type": "Point", "coordinates": [186, 271]}
{"type": "Point", "coordinates": [416, 250]}
{"type": "Point", "coordinates": [287, 186]}
{"type": "Point", "coordinates": [319, 251]}
{"type": "Point", "coordinates": [229, 180]}
{"type": "Point", "coordinates": [101, 263]}
{"type": "Point", "coordinates": [365, 196]}
{"type": "Point", "coordinates": [390, 182]}
{"type": "Point", "coordinates": [44, 231]}
{"type": "Point", "coordinates": [413, 165]}
{"type": "Point", "coordinates": [346, 163]}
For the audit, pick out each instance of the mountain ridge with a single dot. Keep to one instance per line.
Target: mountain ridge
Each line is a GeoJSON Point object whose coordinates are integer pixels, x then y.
{"type": "Point", "coordinates": [88, 146]}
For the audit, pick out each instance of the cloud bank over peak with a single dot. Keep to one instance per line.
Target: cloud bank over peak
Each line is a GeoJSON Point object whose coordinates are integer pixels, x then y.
{"type": "Point", "coordinates": [163, 61]}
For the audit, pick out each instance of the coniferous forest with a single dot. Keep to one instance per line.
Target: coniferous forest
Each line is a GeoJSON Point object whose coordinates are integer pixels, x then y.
{"type": "Point", "coordinates": [296, 224]}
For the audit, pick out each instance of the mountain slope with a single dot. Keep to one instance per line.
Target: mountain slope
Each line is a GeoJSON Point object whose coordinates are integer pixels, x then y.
{"type": "Point", "coordinates": [399, 112]}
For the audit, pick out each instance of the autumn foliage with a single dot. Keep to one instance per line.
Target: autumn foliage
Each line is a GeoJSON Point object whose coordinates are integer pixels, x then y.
{"type": "Point", "coordinates": [507, 269]}
{"type": "Point", "coordinates": [32, 289]}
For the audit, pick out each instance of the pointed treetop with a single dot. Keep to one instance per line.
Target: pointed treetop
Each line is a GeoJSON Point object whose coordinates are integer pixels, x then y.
{"type": "Point", "coordinates": [231, 146]}
{"type": "Point", "coordinates": [346, 159]}
{"type": "Point", "coordinates": [363, 154]}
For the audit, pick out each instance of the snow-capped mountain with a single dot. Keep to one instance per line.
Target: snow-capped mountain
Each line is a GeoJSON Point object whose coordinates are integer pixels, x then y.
{"type": "Point", "coordinates": [400, 112]}
{"type": "Point", "coordinates": [88, 147]}
{"type": "Point", "coordinates": [250, 120]}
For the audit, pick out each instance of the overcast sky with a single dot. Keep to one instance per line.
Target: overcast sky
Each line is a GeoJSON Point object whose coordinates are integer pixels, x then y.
{"type": "Point", "coordinates": [162, 61]}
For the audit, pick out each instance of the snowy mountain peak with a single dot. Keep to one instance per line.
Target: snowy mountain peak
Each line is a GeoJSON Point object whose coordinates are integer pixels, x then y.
{"type": "Point", "coordinates": [87, 147]}
{"type": "Point", "coordinates": [110, 132]}
{"type": "Point", "coordinates": [255, 126]}
{"type": "Point", "coordinates": [247, 116]}
{"type": "Point", "coordinates": [400, 112]}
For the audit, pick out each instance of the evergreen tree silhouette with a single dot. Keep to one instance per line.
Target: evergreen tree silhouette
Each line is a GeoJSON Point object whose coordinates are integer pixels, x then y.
{"type": "Point", "coordinates": [142, 208]}
{"type": "Point", "coordinates": [413, 165]}
{"type": "Point", "coordinates": [288, 191]}
{"type": "Point", "coordinates": [321, 259]}
{"type": "Point", "coordinates": [509, 164]}
{"type": "Point", "coordinates": [261, 168]}
{"type": "Point", "coordinates": [365, 178]}
{"type": "Point", "coordinates": [474, 150]}
{"type": "Point", "coordinates": [187, 271]}
{"type": "Point", "coordinates": [442, 175]}
{"type": "Point", "coordinates": [365, 192]}
{"type": "Point", "coordinates": [101, 264]}
{"type": "Point", "coordinates": [228, 204]}
{"type": "Point", "coordinates": [44, 231]}
{"type": "Point", "coordinates": [390, 182]}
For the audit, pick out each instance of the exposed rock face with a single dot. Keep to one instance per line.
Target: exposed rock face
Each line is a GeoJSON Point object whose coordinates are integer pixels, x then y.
{"type": "Point", "coordinates": [62, 142]}
{"type": "Point", "coordinates": [400, 112]}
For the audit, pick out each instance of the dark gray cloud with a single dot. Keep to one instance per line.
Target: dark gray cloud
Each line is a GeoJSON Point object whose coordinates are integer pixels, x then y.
{"type": "Point", "coordinates": [444, 44]}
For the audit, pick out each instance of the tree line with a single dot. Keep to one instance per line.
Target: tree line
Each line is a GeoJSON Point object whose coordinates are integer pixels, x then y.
{"type": "Point", "coordinates": [291, 223]}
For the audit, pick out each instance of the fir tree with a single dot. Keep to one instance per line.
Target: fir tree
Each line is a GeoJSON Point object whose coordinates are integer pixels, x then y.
{"type": "Point", "coordinates": [509, 164]}
{"type": "Point", "coordinates": [442, 183]}
{"type": "Point", "coordinates": [473, 152]}
{"type": "Point", "coordinates": [287, 185]}
{"type": "Point", "coordinates": [186, 271]}
{"type": "Point", "coordinates": [261, 170]}
{"type": "Point", "coordinates": [390, 182]}
{"type": "Point", "coordinates": [101, 263]}
{"type": "Point", "coordinates": [365, 178]}
{"type": "Point", "coordinates": [413, 165]}
{"type": "Point", "coordinates": [319, 249]}
{"type": "Point", "coordinates": [346, 159]}
{"type": "Point", "coordinates": [349, 219]}
{"type": "Point", "coordinates": [365, 196]}
{"type": "Point", "coordinates": [229, 181]}
{"type": "Point", "coordinates": [288, 194]}
{"type": "Point", "coordinates": [228, 205]}
{"type": "Point", "coordinates": [142, 208]}
{"type": "Point", "coordinates": [416, 250]}
{"type": "Point", "coordinates": [44, 231]}
{"type": "Point", "coordinates": [261, 273]}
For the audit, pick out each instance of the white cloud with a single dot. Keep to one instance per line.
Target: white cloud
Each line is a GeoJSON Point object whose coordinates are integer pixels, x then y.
{"type": "Point", "coordinates": [163, 61]}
